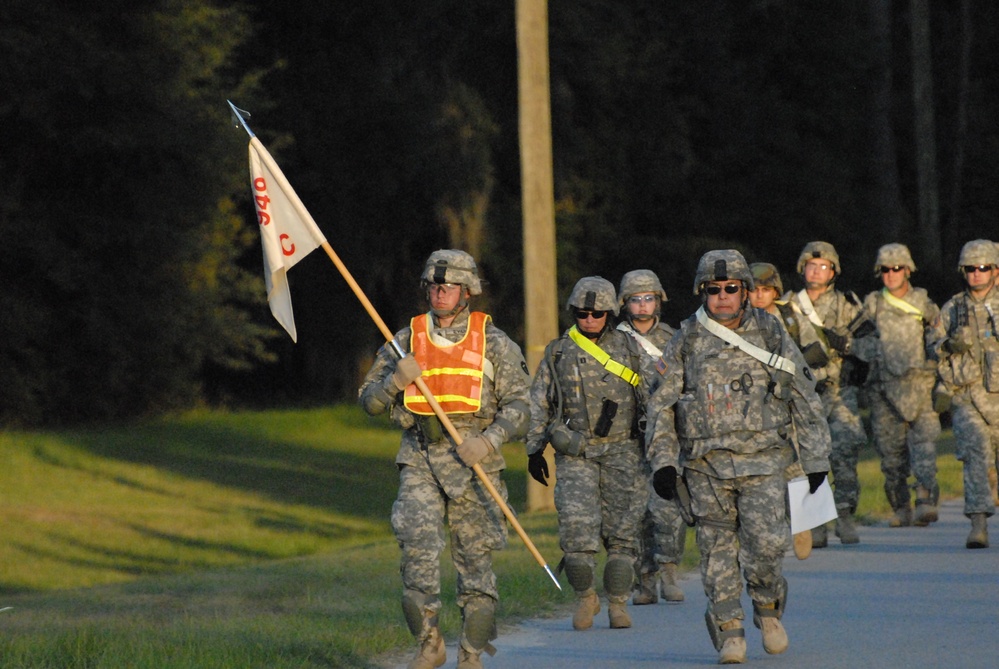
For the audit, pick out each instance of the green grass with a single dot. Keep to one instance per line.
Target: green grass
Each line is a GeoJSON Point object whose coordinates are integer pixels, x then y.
{"type": "Point", "coordinates": [248, 539]}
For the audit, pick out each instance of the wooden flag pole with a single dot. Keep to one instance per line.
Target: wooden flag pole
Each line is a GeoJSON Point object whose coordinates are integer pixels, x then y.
{"type": "Point", "coordinates": [390, 339]}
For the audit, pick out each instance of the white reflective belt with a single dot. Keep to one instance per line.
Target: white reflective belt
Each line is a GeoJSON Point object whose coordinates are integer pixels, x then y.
{"type": "Point", "coordinates": [809, 309]}
{"type": "Point", "coordinates": [443, 342]}
{"type": "Point", "coordinates": [649, 347]}
{"type": "Point", "coordinates": [769, 359]}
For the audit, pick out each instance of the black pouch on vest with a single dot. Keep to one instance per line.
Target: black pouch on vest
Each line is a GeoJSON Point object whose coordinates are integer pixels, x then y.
{"type": "Point", "coordinates": [607, 413]}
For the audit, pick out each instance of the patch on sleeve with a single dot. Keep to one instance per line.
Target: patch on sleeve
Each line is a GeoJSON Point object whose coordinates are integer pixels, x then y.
{"type": "Point", "coordinates": [661, 366]}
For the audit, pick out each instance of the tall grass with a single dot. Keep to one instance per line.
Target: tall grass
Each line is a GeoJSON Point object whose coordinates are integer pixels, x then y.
{"type": "Point", "coordinates": [249, 539]}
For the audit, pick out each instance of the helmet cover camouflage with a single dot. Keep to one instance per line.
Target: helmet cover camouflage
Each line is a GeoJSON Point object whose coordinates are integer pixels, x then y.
{"type": "Point", "coordinates": [823, 250]}
{"type": "Point", "coordinates": [594, 293]}
{"type": "Point", "coordinates": [978, 252]}
{"type": "Point", "coordinates": [765, 274]}
{"type": "Point", "coordinates": [452, 266]}
{"type": "Point", "coordinates": [640, 281]}
{"type": "Point", "coordinates": [727, 265]}
{"type": "Point", "coordinates": [891, 255]}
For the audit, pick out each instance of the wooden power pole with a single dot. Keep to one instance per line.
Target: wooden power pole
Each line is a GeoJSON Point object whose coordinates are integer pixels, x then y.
{"type": "Point", "coordinates": [538, 202]}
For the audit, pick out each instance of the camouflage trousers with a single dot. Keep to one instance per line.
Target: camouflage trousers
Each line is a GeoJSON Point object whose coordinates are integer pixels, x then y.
{"type": "Point", "coordinates": [905, 447]}
{"type": "Point", "coordinates": [741, 523]}
{"type": "Point", "coordinates": [664, 534]}
{"type": "Point", "coordinates": [600, 503]}
{"type": "Point", "coordinates": [476, 524]}
{"type": "Point", "coordinates": [980, 445]}
{"type": "Point", "coordinates": [848, 437]}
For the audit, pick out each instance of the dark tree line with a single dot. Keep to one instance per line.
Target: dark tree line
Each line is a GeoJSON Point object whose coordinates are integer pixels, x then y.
{"type": "Point", "coordinates": [132, 264]}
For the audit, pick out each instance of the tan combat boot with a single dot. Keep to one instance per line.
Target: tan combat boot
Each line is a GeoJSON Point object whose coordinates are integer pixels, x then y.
{"type": "Point", "coordinates": [820, 537]}
{"type": "Point", "coordinates": [926, 510]}
{"type": "Point", "coordinates": [845, 529]}
{"type": "Point", "coordinates": [979, 536]}
{"type": "Point", "coordinates": [646, 592]}
{"type": "Point", "coordinates": [587, 606]}
{"type": "Point", "coordinates": [618, 614]}
{"type": "Point", "coordinates": [431, 653]}
{"type": "Point", "coordinates": [902, 518]}
{"type": "Point", "coordinates": [802, 544]}
{"type": "Point", "coordinates": [468, 660]}
{"type": "Point", "coordinates": [667, 582]}
{"type": "Point", "coordinates": [774, 636]}
{"type": "Point", "coordinates": [733, 648]}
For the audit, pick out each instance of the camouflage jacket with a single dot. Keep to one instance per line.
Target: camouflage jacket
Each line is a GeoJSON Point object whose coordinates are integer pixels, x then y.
{"type": "Point", "coordinates": [834, 311]}
{"type": "Point", "coordinates": [973, 374]}
{"type": "Point", "coordinates": [502, 417]}
{"type": "Point", "coordinates": [585, 388]}
{"type": "Point", "coordinates": [900, 351]}
{"type": "Point", "coordinates": [714, 407]}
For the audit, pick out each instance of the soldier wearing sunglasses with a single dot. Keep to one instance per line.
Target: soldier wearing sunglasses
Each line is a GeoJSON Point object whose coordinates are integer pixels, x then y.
{"type": "Point", "coordinates": [969, 370]}
{"type": "Point", "coordinates": [725, 396]}
{"type": "Point", "coordinates": [900, 385]}
{"type": "Point", "coordinates": [586, 401]}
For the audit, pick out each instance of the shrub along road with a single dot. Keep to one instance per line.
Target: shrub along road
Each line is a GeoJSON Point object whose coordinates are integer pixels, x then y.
{"type": "Point", "coordinates": [906, 597]}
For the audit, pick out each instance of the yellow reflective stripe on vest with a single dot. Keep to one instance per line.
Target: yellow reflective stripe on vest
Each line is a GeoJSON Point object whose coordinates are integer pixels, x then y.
{"type": "Point", "coordinates": [601, 356]}
{"type": "Point", "coordinates": [901, 304]}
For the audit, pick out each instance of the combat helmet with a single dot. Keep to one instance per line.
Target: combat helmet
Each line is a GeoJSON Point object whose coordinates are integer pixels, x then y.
{"type": "Point", "coordinates": [594, 293]}
{"type": "Point", "coordinates": [728, 265]}
{"type": "Point", "coordinates": [765, 274]}
{"type": "Point", "coordinates": [891, 255]}
{"type": "Point", "coordinates": [823, 250]}
{"type": "Point", "coordinates": [978, 252]}
{"type": "Point", "coordinates": [640, 281]}
{"type": "Point", "coordinates": [452, 266]}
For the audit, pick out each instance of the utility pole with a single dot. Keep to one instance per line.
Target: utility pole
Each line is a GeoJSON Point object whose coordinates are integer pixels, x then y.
{"type": "Point", "coordinates": [537, 202]}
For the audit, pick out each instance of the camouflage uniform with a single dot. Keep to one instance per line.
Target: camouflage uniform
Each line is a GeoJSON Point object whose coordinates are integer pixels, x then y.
{"type": "Point", "coordinates": [601, 490]}
{"type": "Point", "coordinates": [664, 533]}
{"type": "Point", "coordinates": [723, 419]}
{"type": "Point", "coordinates": [839, 397]}
{"type": "Point", "coordinates": [435, 486]}
{"type": "Point", "coordinates": [900, 385]}
{"type": "Point", "coordinates": [969, 370]}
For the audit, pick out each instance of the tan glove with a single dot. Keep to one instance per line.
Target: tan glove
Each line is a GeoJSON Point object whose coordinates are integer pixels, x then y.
{"type": "Point", "coordinates": [406, 371]}
{"type": "Point", "coordinates": [473, 449]}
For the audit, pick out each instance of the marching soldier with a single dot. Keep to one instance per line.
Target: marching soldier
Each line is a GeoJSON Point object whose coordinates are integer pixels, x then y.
{"type": "Point", "coordinates": [481, 380]}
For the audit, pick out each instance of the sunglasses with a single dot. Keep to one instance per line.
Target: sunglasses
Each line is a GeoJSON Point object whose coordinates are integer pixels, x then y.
{"type": "Point", "coordinates": [638, 299]}
{"type": "Point", "coordinates": [968, 269]}
{"type": "Point", "coordinates": [731, 289]}
{"type": "Point", "coordinates": [894, 268]}
{"type": "Point", "coordinates": [583, 314]}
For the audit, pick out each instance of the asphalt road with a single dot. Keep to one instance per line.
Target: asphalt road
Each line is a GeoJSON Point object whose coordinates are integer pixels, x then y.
{"type": "Point", "coordinates": [910, 597]}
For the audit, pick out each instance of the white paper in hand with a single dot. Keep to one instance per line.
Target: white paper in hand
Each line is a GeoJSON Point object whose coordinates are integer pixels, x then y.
{"type": "Point", "coordinates": [809, 510]}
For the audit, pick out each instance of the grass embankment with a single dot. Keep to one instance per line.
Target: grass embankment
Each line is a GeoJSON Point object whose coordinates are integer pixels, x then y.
{"type": "Point", "coordinates": [251, 539]}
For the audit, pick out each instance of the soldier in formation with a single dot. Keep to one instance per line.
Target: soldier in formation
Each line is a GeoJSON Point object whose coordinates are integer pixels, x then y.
{"type": "Point", "coordinates": [727, 392]}
{"type": "Point", "coordinates": [482, 382]}
{"type": "Point", "coordinates": [830, 318]}
{"type": "Point", "coordinates": [968, 368]}
{"type": "Point", "coordinates": [664, 533]}
{"type": "Point", "coordinates": [900, 384]}
{"type": "Point", "coordinates": [586, 402]}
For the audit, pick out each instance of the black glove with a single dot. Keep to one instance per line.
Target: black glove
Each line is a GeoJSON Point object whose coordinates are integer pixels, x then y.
{"type": "Point", "coordinates": [664, 482]}
{"type": "Point", "coordinates": [815, 480]}
{"type": "Point", "coordinates": [537, 467]}
{"type": "Point", "coordinates": [839, 339]}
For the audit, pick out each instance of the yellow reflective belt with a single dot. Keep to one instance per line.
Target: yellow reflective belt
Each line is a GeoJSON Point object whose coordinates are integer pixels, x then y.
{"type": "Point", "coordinates": [612, 366]}
{"type": "Point", "coordinates": [901, 305]}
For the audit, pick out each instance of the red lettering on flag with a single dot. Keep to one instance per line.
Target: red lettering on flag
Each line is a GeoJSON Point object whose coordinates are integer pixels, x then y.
{"type": "Point", "coordinates": [287, 251]}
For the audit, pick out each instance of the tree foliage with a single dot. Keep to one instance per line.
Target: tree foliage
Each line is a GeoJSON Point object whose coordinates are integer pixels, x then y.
{"type": "Point", "coordinates": [120, 273]}
{"type": "Point", "coordinates": [677, 127]}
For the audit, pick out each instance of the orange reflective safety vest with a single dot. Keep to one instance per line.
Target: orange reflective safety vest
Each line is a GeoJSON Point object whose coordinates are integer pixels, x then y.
{"type": "Point", "coordinates": [453, 373]}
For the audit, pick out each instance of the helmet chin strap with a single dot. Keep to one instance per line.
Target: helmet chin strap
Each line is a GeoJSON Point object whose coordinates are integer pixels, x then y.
{"type": "Point", "coordinates": [462, 303]}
